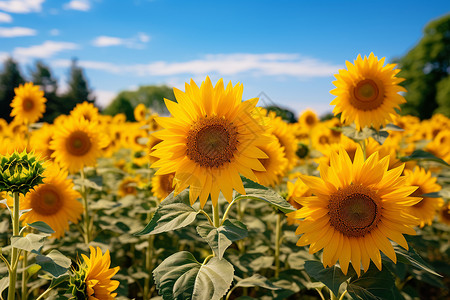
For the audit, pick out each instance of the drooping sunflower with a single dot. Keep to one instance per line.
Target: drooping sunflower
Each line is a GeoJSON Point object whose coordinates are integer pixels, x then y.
{"type": "Point", "coordinates": [356, 208]}
{"type": "Point", "coordinates": [53, 202]}
{"type": "Point", "coordinates": [77, 143]}
{"type": "Point", "coordinates": [367, 93]}
{"type": "Point", "coordinates": [28, 104]}
{"type": "Point", "coordinates": [426, 209]}
{"type": "Point", "coordinates": [211, 138]}
{"type": "Point", "coordinates": [162, 185]}
{"type": "Point", "coordinates": [93, 280]}
{"type": "Point", "coordinates": [87, 111]}
{"type": "Point", "coordinates": [275, 163]}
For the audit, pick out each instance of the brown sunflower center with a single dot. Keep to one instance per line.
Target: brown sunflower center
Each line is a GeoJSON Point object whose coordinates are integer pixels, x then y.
{"type": "Point", "coordinates": [445, 213]}
{"type": "Point", "coordinates": [310, 120]}
{"type": "Point", "coordinates": [354, 210]}
{"type": "Point", "coordinates": [46, 200]}
{"type": "Point", "coordinates": [78, 143]}
{"type": "Point", "coordinates": [367, 95]}
{"type": "Point", "coordinates": [212, 141]}
{"type": "Point", "coordinates": [165, 182]}
{"type": "Point", "coordinates": [27, 104]}
{"type": "Point", "coordinates": [324, 140]}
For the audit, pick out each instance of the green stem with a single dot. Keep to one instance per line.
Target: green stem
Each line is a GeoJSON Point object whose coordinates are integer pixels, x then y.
{"type": "Point", "coordinates": [332, 296]}
{"type": "Point", "coordinates": [216, 217]}
{"type": "Point", "coordinates": [14, 251]}
{"type": "Point", "coordinates": [207, 216]}
{"type": "Point", "coordinates": [225, 215]}
{"type": "Point", "coordinates": [343, 294]}
{"type": "Point", "coordinates": [24, 276]}
{"type": "Point", "coordinates": [87, 231]}
{"type": "Point", "coordinates": [277, 245]}
{"type": "Point", "coordinates": [148, 263]}
{"type": "Point", "coordinates": [320, 294]}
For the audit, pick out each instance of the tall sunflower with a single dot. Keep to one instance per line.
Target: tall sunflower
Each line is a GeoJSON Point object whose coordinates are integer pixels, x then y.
{"type": "Point", "coordinates": [28, 104]}
{"type": "Point", "coordinates": [211, 138]}
{"type": "Point", "coordinates": [308, 119]}
{"type": "Point", "coordinates": [367, 93]}
{"type": "Point", "coordinates": [86, 111]}
{"type": "Point", "coordinates": [162, 185]}
{"type": "Point", "coordinates": [77, 143]}
{"type": "Point", "coordinates": [275, 163]}
{"type": "Point", "coordinates": [426, 209]}
{"type": "Point", "coordinates": [53, 202]}
{"type": "Point", "coordinates": [356, 209]}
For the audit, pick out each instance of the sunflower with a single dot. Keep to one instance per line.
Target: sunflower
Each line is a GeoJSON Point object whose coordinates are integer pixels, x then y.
{"type": "Point", "coordinates": [87, 111]}
{"type": "Point", "coordinates": [128, 186]}
{"type": "Point", "coordinates": [53, 202]}
{"type": "Point", "coordinates": [444, 214]}
{"type": "Point", "coordinates": [28, 104]}
{"type": "Point", "coordinates": [95, 275]}
{"type": "Point", "coordinates": [308, 119]}
{"type": "Point", "coordinates": [40, 140]}
{"type": "Point", "coordinates": [3, 127]}
{"type": "Point", "coordinates": [440, 145]}
{"type": "Point", "coordinates": [367, 93]}
{"type": "Point", "coordinates": [295, 192]}
{"type": "Point", "coordinates": [322, 136]}
{"type": "Point", "coordinates": [275, 163]}
{"type": "Point", "coordinates": [357, 207]}
{"type": "Point", "coordinates": [76, 144]}
{"type": "Point", "coordinates": [140, 112]}
{"type": "Point", "coordinates": [426, 209]}
{"type": "Point", "coordinates": [211, 137]}
{"type": "Point", "coordinates": [162, 185]}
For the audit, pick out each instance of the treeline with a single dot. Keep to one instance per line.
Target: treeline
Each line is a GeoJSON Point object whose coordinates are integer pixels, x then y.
{"type": "Point", "coordinates": [58, 103]}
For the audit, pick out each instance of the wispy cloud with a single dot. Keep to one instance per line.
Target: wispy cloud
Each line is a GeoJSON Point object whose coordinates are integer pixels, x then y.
{"type": "Point", "coordinates": [82, 5]}
{"type": "Point", "coordinates": [5, 18]}
{"type": "Point", "coordinates": [10, 32]}
{"type": "Point", "coordinates": [136, 42]}
{"type": "Point", "coordinates": [54, 32]}
{"type": "Point", "coordinates": [103, 97]}
{"type": "Point", "coordinates": [21, 6]}
{"type": "Point", "coordinates": [270, 64]}
{"type": "Point", "coordinates": [46, 50]}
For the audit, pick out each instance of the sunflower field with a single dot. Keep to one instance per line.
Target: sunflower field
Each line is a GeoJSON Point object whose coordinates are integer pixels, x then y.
{"type": "Point", "coordinates": [223, 199]}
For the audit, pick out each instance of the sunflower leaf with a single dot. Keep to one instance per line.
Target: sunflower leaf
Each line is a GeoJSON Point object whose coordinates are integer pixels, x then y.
{"type": "Point", "coordinates": [425, 156]}
{"type": "Point", "coordinates": [257, 280]}
{"type": "Point", "coordinates": [411, 257]}
{"type": "Point", "coordinates": [181, 276]}
{"type": "Point", "coordinates": [4, 284]}
{"type": "Point", "coordinates": [365, 133]}
{"type": "Point", "coordinates": [33, 269]}
{"type": "Point", "coordinates": [28, 243]}
{"type": "Point", "coordinates": [55, 263]}
{"type": "Point", "coordinates": [173, 213]}
{"type": "Point", "coordinates": [219, 239]}
{"type": "Point", "coordinates": [332, 277]}
{"type": "Point", "coordinates": [259, 192]}
{"type": "Point", "coordinates": [42, 227]}
{"type": "Point", "coordinates": [392, 127]}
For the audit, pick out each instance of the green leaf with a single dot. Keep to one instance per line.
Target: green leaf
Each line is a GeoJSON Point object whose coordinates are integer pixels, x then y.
{"type": "Point", "coordinates": [262, 193]}
{"type": "Point", "coordinates": [42, 227]}
{"type": "Point", "coordinates": [392, 127]}
{"type": "Point", "coordinates": [219, 239]}
{"type": "Point", "coordinates": [87, 183]}
{"type": "Point", "coordinates": [172, 213]}
{"type": "Point", "coordinates": [425, 156]}
{"type": "Point", "coordinates": [28, 243]}
{"type": "Point", "coordinates": [55, 263]}
{"type": "Point", "coordinates": [374, 284]}
{"type": "Point", "coordinates": [4, 284]}
{"type": "Point", "coordinates": [332, 277]}
{"type": "Point", "coordinates": [365, 133]}
{"type": "Point", "coordinates": [33, 269]}
{"type": "Point", "coordinates": [431, 195]}
{"type": "Point", "coordinates": [257, 280]}
{"type": "Point", "coordinates": [58, 280]}
{"type": "Point", "coordinates": [181, 276]}
{"type": "Point", "coordinates": [411, 257]}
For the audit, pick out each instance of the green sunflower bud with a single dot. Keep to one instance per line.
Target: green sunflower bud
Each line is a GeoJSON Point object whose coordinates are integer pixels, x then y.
{"type": "Point", "coordinates": [77, 283]}
{"type": "Point", "coordinates": [20, 172]}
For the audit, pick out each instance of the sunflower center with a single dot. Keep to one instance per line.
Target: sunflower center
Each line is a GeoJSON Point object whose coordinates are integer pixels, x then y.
{"type": "Point", "coordinates": [324, 140]}
{"type": "Point", "coordinates": [367, 95]}
{"type": "Point", "coordinates": [28, 104]}
{"type": "Point", "coordinates": [212, 142]}
{"type": "Point", "coordinates": [310, 120]}
{"type": "Point", "coordinates": [354, 210]}
{"type": "Point", "coordinates": [78, 143]}
{"type": "Point", "coordinates": [166, 183]}
{"type": "Point", "coordinates": [46, 200]}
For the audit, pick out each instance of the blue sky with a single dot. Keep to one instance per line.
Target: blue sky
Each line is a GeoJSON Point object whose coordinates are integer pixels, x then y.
{"type": "Point", "coordinates": [289, 50]}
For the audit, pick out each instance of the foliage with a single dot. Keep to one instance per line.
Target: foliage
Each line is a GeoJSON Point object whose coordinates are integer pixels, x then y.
{"type": "Point", "coordinates": [10, 78]}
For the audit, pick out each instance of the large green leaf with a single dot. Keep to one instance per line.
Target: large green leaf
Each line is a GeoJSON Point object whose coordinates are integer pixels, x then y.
{"type": "Point", "coordinates": [257, 280]}
{"type": "Point", "coordinates": [219, 239]}
{"type": "Point", "coordinates": [332, 277]}
{"type": "Point", "coordinates": [172, 213]}
{"type": "Point", "coordinates": [181, 276]}
{"type": "Point", "coordinates": [28, 243]}
{"type": "Point", "coordinates": [55, 263]}
{"type": "Point", "coordinates": [374, 285]}
{"type": "Point", "coordinates": [411, 257]}
{"type": "Point", "coordinates": [42, 227]}
{"type": "Point", "coordinates": [262, 193]}
{"type": "Point", "coordinates": [425, 156]}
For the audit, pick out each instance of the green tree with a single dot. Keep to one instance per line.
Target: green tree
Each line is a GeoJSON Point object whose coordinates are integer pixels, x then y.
{"type": "Point", "coordinates": [10, 78]}
{"type": "Point", "coordinates": [78, 89]}
{"type": "Point", "coordinates": [426, 69]}
{"type": "Point", "coordinates": [42, 75]}
{"type": "Point", "coordinates": [151, 95]}
{"type": "Point", "coordinates": [284, 113]}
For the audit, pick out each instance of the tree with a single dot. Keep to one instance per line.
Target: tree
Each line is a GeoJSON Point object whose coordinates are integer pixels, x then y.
{"type": "Point", "coordinates": [10, 78]}
{"type": "Point", "coordinates": [42, 75]}
{"type": "Point", "coordinates": [152, 96]}
{"type": "Point", "coordinates": [284, 113]}
{"type": "Point", "coordinates": [426, 70]}
{"type": "Point", "coordinates": [78, 91]}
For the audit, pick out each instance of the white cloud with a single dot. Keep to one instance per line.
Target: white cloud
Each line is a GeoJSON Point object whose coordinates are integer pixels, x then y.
{"type": "Point", "coordinates": [54, 32]}
{"type": "Point", "coordinates": [104, 98]}
{"type": "Point", "coordinates": [45, 50]}
{"type": "Point", "coordinates": [82, 5]}
{"type": "Point", "coordinates": [135, 42]}
{"type": "Point", "coordinates": [5, 18]}
{"type": "Point", "coordinates": [3, 56]}
{"type": "Point", "coordinates": [270, 64]}
{"type": "Point", "coordinates": [21, 6]}
{"type": "Point", "coordinates": [16, 31]}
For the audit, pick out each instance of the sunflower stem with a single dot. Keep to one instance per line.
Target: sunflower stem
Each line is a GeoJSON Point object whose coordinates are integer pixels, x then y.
{"type": "Point", "coordinates": [216, 217]}
{"type": "Point", "coordinates": [343, 294]}
{"type": "Point", "coordinates": [14, 251]}
{"type": "Point", "coordinates": [24, 276]}
{"type": "Point", "coordinates": [332, 296]}
{"type": "Point", "coordinates": [148, 263]}
{"type": "Point", "coordinates": [87, 232]}
{"type": "Point", "coordinates": [277, 245]}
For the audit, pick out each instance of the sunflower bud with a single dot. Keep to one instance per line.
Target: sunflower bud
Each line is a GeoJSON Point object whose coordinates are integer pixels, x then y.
{"type": "Point", "coordinates": [77, 283]}
{"type": "Point", "coordinates": [20, 172]}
